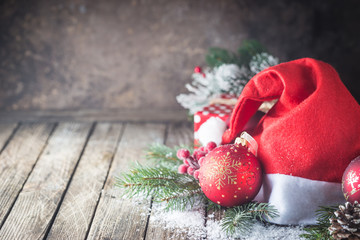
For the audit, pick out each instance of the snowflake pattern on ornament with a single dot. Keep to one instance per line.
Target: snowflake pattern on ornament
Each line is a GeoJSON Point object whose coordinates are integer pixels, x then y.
{"type": "Point", "coordinates": [222, 170]}
{"type": "Point", "coordinates": [351, 180]}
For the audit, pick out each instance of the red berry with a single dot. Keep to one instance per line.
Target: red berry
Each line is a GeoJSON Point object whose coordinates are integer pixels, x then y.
{"type": "Point", "coordinates": [197, 69]}
{"type": "Point", "coordinates": [196, 174]}
{"type": "Point", "coordinates": [183, 169]}
{"type": "Point", "coordinates": [183, 153]}
{"type": "Point", "coordinates": [202, 149]}
{"type": "Point", "coordinates": [185, 160]}
{"type": "Point", "coordinates": [210, 146]}
{"type": "Point", "coordinates": [190, 170]}
{"type": "Point", "coordinates": [199, 155]}
{"type": "Point", "coordinates": [201, 161]}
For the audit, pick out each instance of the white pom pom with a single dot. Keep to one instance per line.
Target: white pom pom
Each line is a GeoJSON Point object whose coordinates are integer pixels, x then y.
{"type": "Point", "coordinates": [211, 131]}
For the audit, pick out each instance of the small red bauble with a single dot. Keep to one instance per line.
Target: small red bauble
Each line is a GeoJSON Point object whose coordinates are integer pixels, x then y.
{"type": "Point", "coordinates": [351, 181]}
{"type": "Point", "coordinates": [230, 175]}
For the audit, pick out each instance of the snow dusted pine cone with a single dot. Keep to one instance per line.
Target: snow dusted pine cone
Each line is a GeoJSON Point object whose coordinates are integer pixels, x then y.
{"type": "Point", "coordinates": [346, 224]}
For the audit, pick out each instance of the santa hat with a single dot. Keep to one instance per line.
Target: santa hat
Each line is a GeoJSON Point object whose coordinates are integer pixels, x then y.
{"type": "Point", "coordinates": [306, 140]}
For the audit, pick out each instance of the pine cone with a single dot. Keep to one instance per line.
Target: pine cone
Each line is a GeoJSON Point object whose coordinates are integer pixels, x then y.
{"type": "Point", "coordinates": [346, 224]}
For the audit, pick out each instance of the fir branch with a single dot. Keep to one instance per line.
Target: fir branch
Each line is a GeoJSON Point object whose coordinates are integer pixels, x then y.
{"type": "Point", "coordinates": [316, 233]}
{"type": "Point", "coordinates": [218, 56]}
{"type": "Point", "coordinates": [261, 61]}
{"type": "Point", "coordinates": [163, 184]}
{"type": "Point", "coordinates": [164, 156]}
{"type": "Point", "coordinates": [228, 73]}
{"type": "Point", "coordinates": [189, 194]}
{"type": "Point", "coordinates": [248, 49]}
{"type": "Point", "coordinates": [226, 78]}
{"type": "Point", "coordinates": [320, 230]}
{"type": "Point", "coordinates": [188, 199]}
{"type": "Point", "coordinates": [211, 206]}
{"type": "Point", "coordinates": [241, 218]}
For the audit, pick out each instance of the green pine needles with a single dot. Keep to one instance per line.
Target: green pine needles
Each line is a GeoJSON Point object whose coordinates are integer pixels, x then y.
{"type": "Point", "coordinates": [163, 184]}
{"type": "Point", "coordinates": [164, 156]}
{"type": "Point", "coordinates": [218, 56]}
{"type": "Point", "coordinates": [238, 220]}
{"type": "Point", "coordinates": [320, 230]}
{"type": "Point", "coordinates": [180, 191]}
{"type": "Point", "coordinates": [249, 48]}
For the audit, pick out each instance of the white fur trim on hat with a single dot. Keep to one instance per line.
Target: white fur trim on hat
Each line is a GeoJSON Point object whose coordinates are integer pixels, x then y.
{"type": "Point", "coordinates": [298, 198]}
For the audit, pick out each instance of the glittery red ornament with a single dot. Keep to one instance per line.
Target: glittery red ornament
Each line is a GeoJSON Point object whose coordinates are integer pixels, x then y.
{"type": "Point", "coordinates": [351, 181]}
{"type": "Point", "coordinates": [230, 175]}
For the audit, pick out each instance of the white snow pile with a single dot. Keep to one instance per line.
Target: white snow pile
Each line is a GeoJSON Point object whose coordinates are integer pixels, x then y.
{"type": "Point", "coordinates": [191, 224]}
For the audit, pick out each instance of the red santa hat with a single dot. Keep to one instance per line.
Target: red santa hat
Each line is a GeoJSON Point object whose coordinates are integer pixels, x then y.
{"type": "Point", "coordinates": [306, 140]}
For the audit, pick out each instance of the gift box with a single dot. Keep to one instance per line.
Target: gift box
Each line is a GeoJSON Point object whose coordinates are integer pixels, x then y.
{"type": "Point", "coordinates": [210, 123]}
{"type": "Point", "coordinates": [213, 120]}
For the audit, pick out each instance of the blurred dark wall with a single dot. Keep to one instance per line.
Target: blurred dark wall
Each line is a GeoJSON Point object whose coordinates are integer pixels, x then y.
{"type": "Point", "coordinates": [89, 54]}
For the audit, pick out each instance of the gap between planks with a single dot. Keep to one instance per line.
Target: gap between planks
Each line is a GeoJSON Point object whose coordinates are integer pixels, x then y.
{"type": "Point", "coordinates": [69, 182]}
{"type": "Point", "coordinates": [7, 132]}
{"type": "Point", "coordinates": [36, 204]}
{"type": "Point", "coordinates": [137, 138]}
{"type": "Point", "coordinates": [18, 159]}
{"type": "Point", "coordinates": [80, 202]}
{"type": "Point", "coordinates": [117, 217]}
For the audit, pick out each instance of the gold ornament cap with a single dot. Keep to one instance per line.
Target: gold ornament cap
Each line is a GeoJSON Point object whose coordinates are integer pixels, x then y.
{"type": "Point", "coordinates": [248, 141]}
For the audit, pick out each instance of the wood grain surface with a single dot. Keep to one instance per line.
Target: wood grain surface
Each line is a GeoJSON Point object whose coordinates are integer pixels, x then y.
{"type": "Point", "coordinates": [58, 180]}
{"type": "Point", "coordinates": [37, 203]}
{"type": "Point", "coordinates": [75, 215]}
{"type": "Point", "coordinates": [116, 217]}
{"type": "Point", "coordinates": [6, 130]}
{"type": "Point", "coordinates": [17, 161]}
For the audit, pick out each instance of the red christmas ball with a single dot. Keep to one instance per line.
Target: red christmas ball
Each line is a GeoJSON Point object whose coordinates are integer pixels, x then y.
{"type": "Point", "coordinates": [230, 175]}
{"type": "Point", "coordinates": [351, 181]}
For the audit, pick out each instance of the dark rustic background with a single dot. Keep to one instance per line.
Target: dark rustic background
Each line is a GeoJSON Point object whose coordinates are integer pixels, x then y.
{"type": "Point", "coordinates": [135, 56]}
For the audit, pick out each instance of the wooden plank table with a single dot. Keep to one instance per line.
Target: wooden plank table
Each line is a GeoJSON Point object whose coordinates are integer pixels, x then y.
{"type": "Point", "coordinates": [56, 179]}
